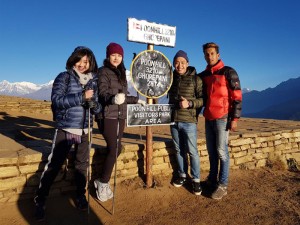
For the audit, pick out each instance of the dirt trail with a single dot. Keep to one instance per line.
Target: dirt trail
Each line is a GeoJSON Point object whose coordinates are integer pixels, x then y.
{"type": "Point", "coordinates": [262, 196]}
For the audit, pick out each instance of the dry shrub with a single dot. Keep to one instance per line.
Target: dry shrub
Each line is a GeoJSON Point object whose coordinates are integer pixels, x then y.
{"type": "Point", "coordinates": [276, 162]}
{"type": "Point", "coordinates": [293, 165]}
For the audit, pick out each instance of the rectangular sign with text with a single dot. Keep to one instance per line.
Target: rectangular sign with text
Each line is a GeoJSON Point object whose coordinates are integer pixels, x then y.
{"type": "Point", "coordinates": [149, 115]}
{"type": "Point", "coordinates": [151, 33]}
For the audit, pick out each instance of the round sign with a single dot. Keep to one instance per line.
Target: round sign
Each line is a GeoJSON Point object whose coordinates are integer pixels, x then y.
{"type": "Point", "coordinates": [151, 74]}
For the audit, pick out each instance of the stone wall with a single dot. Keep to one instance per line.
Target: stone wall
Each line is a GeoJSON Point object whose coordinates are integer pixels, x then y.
{"type": "Point", "coordinates": [20, 171]}
{"type": "Point", "coordinates": [24, 105]}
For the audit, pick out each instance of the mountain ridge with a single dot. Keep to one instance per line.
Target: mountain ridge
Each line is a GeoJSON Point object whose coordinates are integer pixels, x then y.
{"type": "Point", "coordinates": [280, 102]}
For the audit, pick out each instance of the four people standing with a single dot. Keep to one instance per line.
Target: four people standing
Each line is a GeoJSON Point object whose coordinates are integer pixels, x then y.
{"type": "Point", "coordinates": [223, 99]}
{"type": "Point", "coordinates": [75, 92]}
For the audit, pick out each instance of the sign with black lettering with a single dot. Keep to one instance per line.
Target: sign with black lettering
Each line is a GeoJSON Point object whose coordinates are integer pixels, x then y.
{"type": "Point", "coordinates": [151, 74]}
{"type": "Point", "coordinates": [151, 33]}
{"type": "Point", "coordinates": [149, 115]}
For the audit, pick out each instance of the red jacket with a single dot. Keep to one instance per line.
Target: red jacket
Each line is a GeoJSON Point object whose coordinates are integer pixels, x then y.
{"type": "Point", "coordinates": [222, 92]}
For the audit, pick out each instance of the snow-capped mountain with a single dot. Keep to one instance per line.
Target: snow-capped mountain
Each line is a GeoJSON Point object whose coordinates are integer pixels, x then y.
{"type": "Point", "coordinates": [19, 88]}
{"type": "Point", "coordinates": [246, 90]}
{"type": "Point", "coordinates": [26, 89]}
{"type": "Point", "coordinates": [131, 89]}
{"type": "Point", "coordinates": [41, 91]}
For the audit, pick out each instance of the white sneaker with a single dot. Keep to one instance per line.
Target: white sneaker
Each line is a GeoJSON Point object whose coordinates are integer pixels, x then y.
{"type": "Point", "coordinates": [109, 192]}
{"type": "Point", "coordinates": [103, 191]}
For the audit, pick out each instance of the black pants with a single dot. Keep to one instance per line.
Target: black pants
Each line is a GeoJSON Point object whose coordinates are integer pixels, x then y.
{"type": "Point", "coordinates": [56, 159]}
{"type": "Point", "coordinates": [110, 129]}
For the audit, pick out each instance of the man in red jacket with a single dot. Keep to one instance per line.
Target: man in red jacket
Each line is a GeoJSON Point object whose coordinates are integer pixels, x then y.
{"type": "Point", "coordinates": [222, 102]}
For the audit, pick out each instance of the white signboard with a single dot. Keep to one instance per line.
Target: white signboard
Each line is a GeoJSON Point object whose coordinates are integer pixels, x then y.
{"type": "Point", "coordinates": [151, 33]}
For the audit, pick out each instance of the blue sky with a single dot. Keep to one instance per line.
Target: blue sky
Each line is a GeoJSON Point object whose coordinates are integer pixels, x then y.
{"type": "Point", "coordinates": [259, 38]}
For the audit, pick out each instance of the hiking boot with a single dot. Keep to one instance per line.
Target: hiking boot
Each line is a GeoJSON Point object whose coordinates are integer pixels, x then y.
{"type": "Point", "coordinates": [179, 182]}
{"type": "Point", "coordinates": [81, 202]}
{"type": "Point", "coordinates": [103, 191]}
{"type": "Point", "coordinates": [197, 188]}
{"type": "Point", "coordinates": [39, 213]}
{"type": "Point", "coordinates": [219, 193]}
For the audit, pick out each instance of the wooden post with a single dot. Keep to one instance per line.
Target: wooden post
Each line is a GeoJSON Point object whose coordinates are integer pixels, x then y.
{"type": "Point", "coordinates": [149, 145]}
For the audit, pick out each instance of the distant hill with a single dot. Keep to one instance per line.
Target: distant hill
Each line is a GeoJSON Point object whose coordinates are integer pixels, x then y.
{"type": "Point", "coordinates": [280, 102]}
{"type": "Point", "coordinates": [289, 110]}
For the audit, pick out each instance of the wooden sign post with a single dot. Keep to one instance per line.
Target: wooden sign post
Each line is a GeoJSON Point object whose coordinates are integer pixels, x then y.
{"type": "Point", "coordinates": [151, 71]}
{"type": "Point", "coordinates": [149, 144]}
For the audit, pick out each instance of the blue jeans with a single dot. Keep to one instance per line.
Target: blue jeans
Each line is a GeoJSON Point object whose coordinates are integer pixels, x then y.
{"type": "Point", "coordinates": [185, 141]}
{"type": "Point", "coordinates": [217, 147]}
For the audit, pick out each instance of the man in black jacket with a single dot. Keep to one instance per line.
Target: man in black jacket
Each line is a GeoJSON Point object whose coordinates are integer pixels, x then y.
{"type": "Point", "coordinates": [186, 94]}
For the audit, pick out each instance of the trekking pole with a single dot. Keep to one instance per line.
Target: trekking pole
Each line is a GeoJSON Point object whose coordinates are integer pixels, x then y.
{"type": "Point", "coordinates": [54, 140]}
{"type": "Point", "coordinates": [89, 149]}
{"type": "Point", "coordinates": [117, 150]}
